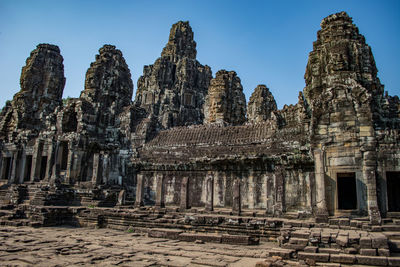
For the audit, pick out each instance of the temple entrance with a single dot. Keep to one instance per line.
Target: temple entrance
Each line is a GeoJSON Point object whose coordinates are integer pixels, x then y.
{"type": "Point", "coordinates": [346, 191]}
{"type": "Point", "coordinates": [393, 185]}
{"type": "Point", "coordinates": [43, 167]}
{"type": "Point", "coordinates": [6, 168]}
{"type": "Point", "coordinates": [28, 168]}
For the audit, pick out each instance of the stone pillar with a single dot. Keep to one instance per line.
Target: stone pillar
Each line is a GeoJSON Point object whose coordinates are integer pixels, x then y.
{"type": "Point", "coordinates": [252, 190]}
{"type": "Point", "coordinates": [160, 203]}
{"type": "Point", "coordinates": [37, 161]}
{"type": "Point", "coordinates": [139, 190]}
{"type": "Point", "coordinates": [210, 192]}
{"type": "Point", "coordinates": [369, 174]}
{"type": "Point", "coordinates": [70, 166]}
{"type": "Point", "coordinates": [22, 166]}
{"type": "Point", "coordinates": [106, 168]}
{"type": "Point", "coordinates": [50, 163]}
{"type": "Point", "coordinates": [279, 205]}
{"type": "Point", "coordinates": [184, 194]}
{"type": "Point", "coordinates": [13, 168]}
{"type": "Point", "coordinates": [321, 213]}
{"type": "Point", "coordinates": [1, 165]}
{"type": "Point", "coordinates": [79, 170]}
{"type": "Point", "coordinates": [236, 197]}
{"type": "Point", "coordinates": [96, 166]}
{"type": "Point", "coordinates": [121, 198]}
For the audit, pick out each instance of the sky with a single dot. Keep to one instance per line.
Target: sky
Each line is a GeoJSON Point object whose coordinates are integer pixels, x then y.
{"type": "Point", "coordinates": [265, 42]}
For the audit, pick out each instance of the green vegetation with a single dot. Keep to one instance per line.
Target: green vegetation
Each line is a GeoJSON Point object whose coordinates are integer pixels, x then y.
{"type": "Point", "coordinates": [65, 100]}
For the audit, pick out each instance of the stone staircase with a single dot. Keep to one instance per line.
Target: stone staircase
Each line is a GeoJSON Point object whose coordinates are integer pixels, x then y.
{"type": "Point", "coordinates": [341, 241]}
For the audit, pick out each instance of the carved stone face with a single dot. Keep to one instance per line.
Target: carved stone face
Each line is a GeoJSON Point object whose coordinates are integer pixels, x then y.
{"type": "Point", "coordinates": [338, 60]}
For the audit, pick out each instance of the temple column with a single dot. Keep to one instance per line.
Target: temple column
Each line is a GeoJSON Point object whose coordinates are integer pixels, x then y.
{"type": "Point", "coordinates": [236, 197]}
{"type": "Point", "coordinates": [36, 161]}
{"type": "Point", "coordinates": [210, 192]}
{"type": "Point", "coordinates": [96, 166]}
{"type": "Point", "coordinates": [70, 166]}
{"type": "Point", "coordinates": [22, 166]}
{"type": "Point", "coordinates": [252, 190]}
{"type": "Point", "coordinates": [184, 204]}
{"type": "Point", "coordinates": [12, 178]}
{"type": "Point", "coordinates": [369, 174]}
{"type": "Point", "coordinates": [50, 163]}
{"type": "Point", "coordinates": [1, 166]}
{"type": "Point", "coordinates": [139, 190]}
{"type": "Point", "coordinates": [160, 203]}
{"type": "Point", "coordinates": [106, 168]}
{"type": "Point", "coordinates": [321, 214]}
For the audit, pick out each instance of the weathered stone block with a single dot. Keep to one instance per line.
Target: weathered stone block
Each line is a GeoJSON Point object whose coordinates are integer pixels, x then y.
{"type": "Point", "coordinates": [318, 257]}
{"type": "Point", "coordinates": [383, 252]}
{"type": "Point", "coordinates": [379, 241]}
{"type": "Point", "coordinates": [343, 258]}
{"type": "Point", "coordinates": [365, 242]}
{"type": "Point", "coordinates": [394, 261]}
{"type": "Point", "coordinates": [189, 237]}
{"type": "Point", "coordinates": [284, 253]}
{"type": "Point", "coordinates": [368, 251]}
{"type": "Point", "coordinates": [164, 233]}
{"type": "Point", "coordinates": [342, 240]}
{"type": "Point", "coordinates": [310, 249]}
{"type": "Point", "coordinates": [372, 260]}
{"type": "Point", "coordinates": [239, 240]}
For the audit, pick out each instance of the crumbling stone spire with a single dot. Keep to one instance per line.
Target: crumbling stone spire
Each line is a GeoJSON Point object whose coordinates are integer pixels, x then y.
{"type": "Point", "coordinates": [345, 97]}
{"type": "Point", "coordinates": [180, 43]}
{"type": "Point", "coordinates": [42, 84]}
{"type": "Point", "coordinates": [108, 80]}
{"type": "Point", "coordinates": [225, 102]}
{"type": "Point", "coordinates": [172, 90]}
{"type": "Point", "coordinates": [340, 55]}
{"type": "Point", "coordinates": [261, 105]}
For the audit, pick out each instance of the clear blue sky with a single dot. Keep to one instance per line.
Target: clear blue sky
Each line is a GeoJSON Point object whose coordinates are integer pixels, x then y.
{"type": "Point", "coordinates": [265, 42]}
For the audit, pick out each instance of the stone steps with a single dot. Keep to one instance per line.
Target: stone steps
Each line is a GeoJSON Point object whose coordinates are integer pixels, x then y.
{"type": "Point", "coordinates": [199, 237]}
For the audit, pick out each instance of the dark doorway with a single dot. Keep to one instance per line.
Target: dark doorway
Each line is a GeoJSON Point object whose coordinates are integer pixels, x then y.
{"type": "Point", "coordinates": [347, 191]}
{"type": "Point", "coordinates": [43, 167]}
{"type": "Point", "coordinates": [393, 186]}
{"type": "Point", "coordinates": [6, 167]}
{"type": "Point", "coordinates": [27, 174]}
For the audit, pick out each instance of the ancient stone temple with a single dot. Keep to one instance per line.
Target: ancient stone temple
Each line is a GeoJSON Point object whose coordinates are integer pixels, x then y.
{"type": "Point", "coordinates": [173, 89]}
{"type": "Point", "coordinates": [189, 154]}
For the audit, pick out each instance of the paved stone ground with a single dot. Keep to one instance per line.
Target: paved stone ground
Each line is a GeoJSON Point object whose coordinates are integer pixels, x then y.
{"type": "Point", "coordinates": [65, 246]}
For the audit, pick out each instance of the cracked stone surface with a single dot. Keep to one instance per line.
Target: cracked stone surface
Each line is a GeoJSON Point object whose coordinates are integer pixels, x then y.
{"type": "Point", "coordinates": [65, 246]}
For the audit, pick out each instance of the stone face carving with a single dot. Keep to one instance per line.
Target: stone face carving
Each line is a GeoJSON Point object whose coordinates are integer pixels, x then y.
{"type": "Point", "coordinates": [42, 84]}
{"type": "Point", "coordinates": [262, 103]}
{"type": "Point", "coordinates": [173, 89]}
{"type": "Point", "coordinates": [346, 101]}
{"type": "Point", "coordinates": [288, 160]}
{"type": "Point", "coordinates": [108, 84]}
{"type": "Point", "coordinates": [225, 102]}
